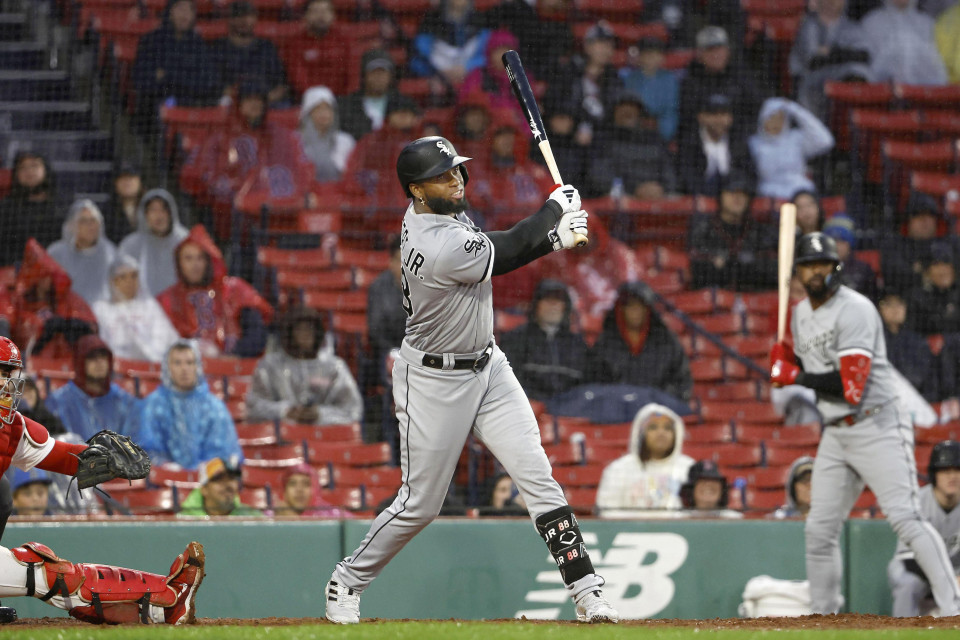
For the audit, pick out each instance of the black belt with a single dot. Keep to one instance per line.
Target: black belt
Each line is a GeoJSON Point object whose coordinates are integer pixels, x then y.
{"type": "Point", "coordinates": [435, 361]}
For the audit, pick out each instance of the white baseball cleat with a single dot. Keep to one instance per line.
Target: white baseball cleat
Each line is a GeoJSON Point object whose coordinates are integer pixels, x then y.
{"type": "Point", "coordinates": [343, 604]}
{"type": "Point", "coordinates": [593, 607]}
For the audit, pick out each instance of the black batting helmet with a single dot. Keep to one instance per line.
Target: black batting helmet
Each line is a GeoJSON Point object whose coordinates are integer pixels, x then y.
{"type": "Point", "coordinates": [945, 455]}
{"type": "Point", "coordinates": [819, 247]}
{"type": "Point", "coordinates": [428, 157]}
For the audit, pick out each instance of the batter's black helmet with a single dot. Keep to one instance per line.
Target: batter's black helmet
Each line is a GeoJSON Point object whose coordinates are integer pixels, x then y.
{"type": "Point", "coordinates": [427, 157]}
{"type": "Point", "coordinates": [945, 455]}
{"type": "Point", "coordinates": [818, 247]}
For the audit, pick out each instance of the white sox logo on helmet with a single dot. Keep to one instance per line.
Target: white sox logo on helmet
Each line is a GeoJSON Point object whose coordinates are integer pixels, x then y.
{"type": "Point", "coordinates": [816, 244]}
{"type": "Point", "coordinates": [443, 148]}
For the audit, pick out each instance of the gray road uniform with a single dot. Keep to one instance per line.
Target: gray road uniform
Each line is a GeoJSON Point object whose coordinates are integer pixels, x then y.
{"type": "Point", "coordinates": [449, 380]}
{"type": "Point", "coordinates": [908, 584]}
{"type": "Point", "coordinates": [866, 443]}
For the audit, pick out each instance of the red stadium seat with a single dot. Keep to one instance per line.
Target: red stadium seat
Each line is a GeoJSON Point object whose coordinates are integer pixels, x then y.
{"type": "Point", "coordinates": [595, 432]}
{"type": "Point", "coordinates": [259, 433]}
{"type": "Point", "coordinates": [148, 501]}
{"type": "Point", "coordinates": [587, 475]}
{"type": "Point", "coordinates": [940, 185]}
{"type": "Point", "coordinates": [843, 96]}
{"type": "Point", "coordinates": [933, 435]}
{"type": "Point", "coordinates": [351, 301]}
{"type": "Point", "coordinates": [582, 499]}
{"type": "Point", "coordinates": [347, 433]}
{"type": "Point", "coordinates": [379, 476]}
{"type": "Point", "coordinates": [774, 7]}
{"type": "Point", "coordinates": [776, 454]}
{"type": "Point", "coordinates": [941, 123]}
{"type": "Point", "coordinates": [713, 433]}
{"type": "Point", "coordinates": [924, 96]}
{"type": "Point", "coordinates": [752, 412]}
{"type": "Point", "coordinates": [256, 497]}
{"type": "Point", "coordinates": [870, 128]}
{"type": "Point", "coordinates": [764, 500]}
{"type": "Point", "coordinates": [348, 497]}
{"type": "Point", "coordinates": [707, 370]}
{"type": "Point", "coordinates": [340, 279]}
{"type": "Point", "coordinates": [741, 390]}
{"type": "Point", "coordinates": [259, 477]}
{"type": "Point", "coordinates": [902, 156]}
{"type": "Point", "coordinates": [373, 260]}
{"type": "Point", "coordinates": [120, 484]}
{"type": "Point", "coordinates": [348, 454]}
{"type": "Point", "coordinates": [304, 259]}
{"type": "Point", "coordinates": [764, 478]}
{"type": "Point", "coordinates": [563, 453]}
{"type": "Point", "coordinates": [286, 455]}
{"type": "Point", "coordinates": [726, 454]}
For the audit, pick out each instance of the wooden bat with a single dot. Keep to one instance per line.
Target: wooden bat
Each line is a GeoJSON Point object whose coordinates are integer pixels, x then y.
{"type": "Point", "coordinates": [788, 238]}
{"type": "Point", "coordinates": [524, 94]}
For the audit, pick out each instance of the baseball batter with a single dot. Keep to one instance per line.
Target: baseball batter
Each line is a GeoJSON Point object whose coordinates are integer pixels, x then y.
{"type": "Point", "coordinates": [938, 504]}
{"type": "Point", "coordinates": [451, 378]}
{"type": "Point", "coordinates": [838, 338]}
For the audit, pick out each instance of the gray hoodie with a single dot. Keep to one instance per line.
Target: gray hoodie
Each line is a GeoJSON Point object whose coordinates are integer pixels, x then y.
{"type": "Point", "coordinates": [902, 46]}
{"type": "Point", "coordinates": [155, 254]}
{"type": "Point", "coordinates": [88, 268]}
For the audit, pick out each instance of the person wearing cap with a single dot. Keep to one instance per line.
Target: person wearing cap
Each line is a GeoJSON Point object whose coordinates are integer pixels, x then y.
{"type": "Point", "coordinates": [934, 307]}
{"type": "Point", "coordinates": [716, 149]}
{"type": "Point", "coordinates": [729, 249]}
{"type": "Point", "coordinates": [788, 137]}
{"type": "Point", "coordinates": [714, 71]}
{"type": "Point", "coordinates": [902, 45]}
{"type": "Point", "coordinates": [132, 322]}
{"type": "Point", "coordinates": [796, 490]}
{"type": "Point", "coordinates": [635, 347]}
{"type": "Point", "coordinates": [120, 213]}
{"type": "Point", "coordinates": [706, 492]}
{"type": "Point", "coordinates": [657, 87]}
{"type": "Point", "coordinates": [31, 492]}
{"type": "Point", "coordinates": [218, 493]}
{"type": "Point", "coordinates": [904, 255]}
{"type": "Point", "coordinates": [365, 109]}
{"type": "Point", "coordinates": [649, 475]}
{"type": "Point", "coordinates": [907, 350]}
{"type": "Point", "coordinates": [242, 56]}
{"type": "Point", "coordinates": [30, 208]}
{"type": "Point", "coordinates": [547, 355]}
{"type": "Point", "coordinates": [84, 251]}
{"type": "Point", "coordinates": [856, 274]}
{"type": "Point", "coordinates": [450, 43]}
{"type": "Point", "coordinates": [321, 138]}
{"type": "Point", "coordinates": [316, 56]}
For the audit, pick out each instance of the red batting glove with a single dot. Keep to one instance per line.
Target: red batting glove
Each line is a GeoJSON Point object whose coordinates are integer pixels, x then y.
{"type": "Point", "coordinates": [782, 371]}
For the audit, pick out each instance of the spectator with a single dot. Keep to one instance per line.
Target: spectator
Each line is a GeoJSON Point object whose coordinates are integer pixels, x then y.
{"type": "Point", "coordinates": [797, 490]}
{"type": "Point", "coordinates": [301, 496]}
{"type": "Point", "coordinates": [629, 155]}
{"type": "Point", "coordinates": [386, 319]}
{"type": "Point", "coordinates": [242, 57]}
{"type": "Point", "coordinates": [152, 245]}
{"type": "Point", "coordinates": [902, 45]}
{"type": "Point", "coordinates": [934, 307]}
{"type": "Point", "coordinates": [907, 350]}
{"type": "Point", "coordinates": [903, 256]}
{"type": "Point", "coordinates": [635, 347]}
{"type": "Point", "coordinates": [935, 8]}
{"type": "Point", "coordinates": [712, 152]}
{"type": "Point", "coordinates": [43, 313]}
{"type": "Point", "coordinates": [181, 422]}
{"type": "Point", "coordinates": [657, 87]}
{"type": "Point", "coordinates": [30, 209]}
{"type": "Point", "coordinates": [173, 65]}
{"type": "Point", "coordinates": [32, 406]}
{"type": "Point", "coordinates": [547, 356]}
{"type": "Point", "coordinates": [502, 498]}
{"type": "Point", "coordinates": [31, 492]}
{"type": "Point", "coordinates": [781, 151]}
{"type": "Point", "coordinates": [947, 37]}
{"type": "Point", "coordinates": [492, 79]}
{"type": "Point", "coordinates": [316, 56]}
{"type": "Point", "coordinates": [729, 249]}
{"type": "Point", "coordinates": [472, 120]}
{"type": "Point", "coordinates": [650, 474]}
{"type": "Point", "coordinates": [829, 46]}
{"type": "Point", "coordinates": [714, 72]}
{"type": "Point", "coordinates": [120, 216]}
{"type": "Point", "coordinates": [810, 216]}
{"type": "Point", "coordinates": [706, 491]}
{"type": "Point", "coordinates": [569, 149]}
{"type": "Point", "coordinates": [131, 322]}
{"type": "Point", "coordinates": [92, 402]}
{"type": "Point", "coordinates": [223, 313]}
{"type": "Point", "coordinates": [218, 493]}
{"type": "Point", "coordinates": [84, 251]}
{"type": "Point", "coordinates": [450, 43]}
{"type": "Point", "coordinates": [301, 382]}
{"type": "Point", "coordinates": [323, 142]}
{"type": "Point", "coordinates": [543, 31]}
{"type": "Point", "coordinates": [856, 274]}
{"type": "Point", "coordinates": [365, 109]}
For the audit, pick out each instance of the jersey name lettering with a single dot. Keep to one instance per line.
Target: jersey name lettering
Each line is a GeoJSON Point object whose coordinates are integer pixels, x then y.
{"type": "Point", "coordinates": [414, 262]}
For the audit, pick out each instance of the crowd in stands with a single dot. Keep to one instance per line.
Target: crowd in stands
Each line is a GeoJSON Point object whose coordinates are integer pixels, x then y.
{"type": "Point", "coordinates": [315, 110]}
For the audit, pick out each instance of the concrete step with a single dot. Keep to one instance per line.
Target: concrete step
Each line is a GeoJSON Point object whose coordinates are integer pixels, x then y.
{"type": "Point", "coordinates": [23, 56]}
{"type": "Point", "coordinates": [88, 146]}
{"type": "Point", "coordinates": [59, 116]}
{"type": "Point", "coordinates": [81, 177]}
{"type": "Point", "coordinates": [34, 85]}
{"type": "Point", "coordinates": [13, 27]}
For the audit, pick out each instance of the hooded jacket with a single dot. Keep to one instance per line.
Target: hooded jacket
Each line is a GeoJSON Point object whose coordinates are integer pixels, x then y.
{"type": "Point", "coordinates": [629, 483]}
{"type": "Point", "coordinates": [661, 362]}
{"type": "Point", "coordinates": [328, 151]}
{"type": "Point", "coordinates": [318, 507]}
{"type": "Point", "coordinates": [546, 362]}
{"type": "Point", "coordinates": [781, 160]}
{"type": "Point", "coordinates": [285, 378]}
{"type": "Point", "coordinates": [902, 46]}
{"type": "Point", "coordinates": [491, 79]}
{"type": "Point", "coordinates": [154, 253]}
{"type": "Point", "coordinates": [88, 268]}
{"type": "Point", "coordinates": [443, 43]}
{"type": "Point", "coordinates": [22, 218]}
{"type": "Point", "coordinates": [789, 508]}
{"type": "Point", "coordinates": [85, 413]}
{"type": "Point", "coordinates": [226, 312]}
{"type": "Point", "coordinates": [46, 327]}
{"type": "Point", "coordinates": [186, 427]}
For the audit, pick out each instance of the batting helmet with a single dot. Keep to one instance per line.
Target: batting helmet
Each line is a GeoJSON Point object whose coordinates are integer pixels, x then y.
{"type": "Point", "coordinates": [945, 455]}
{"type": "Point", "coordinates": [818, 247]}
{"type": "Point", "coordinates": [11, 382]}
{"type": "Point", "coordinates": [428, 157]}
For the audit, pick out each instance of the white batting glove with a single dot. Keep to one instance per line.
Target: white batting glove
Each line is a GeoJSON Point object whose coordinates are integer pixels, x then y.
{"type": "Point", "coordinates": [567, 197]}
{"type": "Point", "coordinates": [568, 229]}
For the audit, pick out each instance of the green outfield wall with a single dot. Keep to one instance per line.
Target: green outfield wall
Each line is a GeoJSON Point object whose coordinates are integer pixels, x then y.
{"type": "Point", "coordinates": [469, 568]}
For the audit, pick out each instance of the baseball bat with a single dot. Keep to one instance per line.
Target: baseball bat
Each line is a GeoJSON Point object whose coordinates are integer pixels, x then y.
{"type": "Point", "coordinates": [524, 94]}
{"type": "Point", "coordinates": [788, 232]}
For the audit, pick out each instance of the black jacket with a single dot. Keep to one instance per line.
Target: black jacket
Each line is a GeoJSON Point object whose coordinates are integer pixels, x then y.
{"type": "Point", "coordinates": [633, 155]}
{"type": "Point", "coordinates": [734, 83]}
{"type": "Point", "coordinates": [911, 355]}
{"type": "Point", "coordinates": [931, 310]}
{"type": "Point", "coordinates": [692, 164]}
{"type": "Point", "coordinates": [749, 251]}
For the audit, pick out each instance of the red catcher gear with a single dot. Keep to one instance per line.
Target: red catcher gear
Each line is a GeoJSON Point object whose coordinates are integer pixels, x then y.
{"type": "Point", "coordinates": [115, 595]}
{"type": "Point", "coordinates": [11, 380]}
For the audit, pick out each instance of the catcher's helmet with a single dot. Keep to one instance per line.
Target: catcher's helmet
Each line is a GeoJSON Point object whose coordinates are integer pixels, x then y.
{"type": "Point", "coordinates": [427, 157]}
{"type": "Point", "coordinates": [11, 380]}
{"type": "Point", "coordinates": [819, 247]}
{"type": "Point", "coordinates": [945, 455]}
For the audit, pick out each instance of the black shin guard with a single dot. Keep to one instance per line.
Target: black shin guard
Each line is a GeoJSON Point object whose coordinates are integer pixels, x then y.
{"type": "Point", "coordinates": [559, 529]}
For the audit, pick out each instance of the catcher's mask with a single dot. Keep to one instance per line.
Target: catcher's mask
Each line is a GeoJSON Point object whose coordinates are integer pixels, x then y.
{"type": "Point", "coordinates": [11, 379]}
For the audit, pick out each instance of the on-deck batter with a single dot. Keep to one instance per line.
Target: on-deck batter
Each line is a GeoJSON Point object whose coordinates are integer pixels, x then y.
{"type": "Point", "coordinates": [451, 378]}
{"type": "Point", "coordinates": [838, 338]}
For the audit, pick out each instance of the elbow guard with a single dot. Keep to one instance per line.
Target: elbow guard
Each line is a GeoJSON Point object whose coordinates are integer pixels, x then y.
{"type": "Point", "coordinates": [854, 371]}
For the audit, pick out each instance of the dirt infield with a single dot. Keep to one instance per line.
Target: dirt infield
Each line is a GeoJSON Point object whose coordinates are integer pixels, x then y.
{"type": "Point", "coordinates": [842, 621]}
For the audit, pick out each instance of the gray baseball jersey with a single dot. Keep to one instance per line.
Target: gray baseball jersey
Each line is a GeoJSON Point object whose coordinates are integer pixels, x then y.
{"type": "Point", "coordinates": [947, 524]}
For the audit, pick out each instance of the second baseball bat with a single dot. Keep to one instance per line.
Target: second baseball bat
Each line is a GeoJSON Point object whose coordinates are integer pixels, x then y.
{"type": "Point", "coordinates": [524, 94]}
{"type": "Point", "coordinates": [788, 233]}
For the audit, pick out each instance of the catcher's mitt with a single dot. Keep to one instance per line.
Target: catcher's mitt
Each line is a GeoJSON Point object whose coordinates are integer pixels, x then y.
{"type": "Point", "coordinates": [108, 456]}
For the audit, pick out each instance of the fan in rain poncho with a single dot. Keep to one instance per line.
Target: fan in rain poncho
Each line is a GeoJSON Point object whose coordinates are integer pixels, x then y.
{"type": "Point", "coordinates": [155, 241]}
{"type": "Point", "coordinates": [84, 251]}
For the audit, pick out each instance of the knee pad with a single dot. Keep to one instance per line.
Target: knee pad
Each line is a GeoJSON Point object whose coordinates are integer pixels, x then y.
{"type": "Point", "coordinates": [560, 530]}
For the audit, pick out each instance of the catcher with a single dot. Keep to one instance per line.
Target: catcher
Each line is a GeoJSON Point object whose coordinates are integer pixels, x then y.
{"type": "Point", "coordinates": [90, 592]}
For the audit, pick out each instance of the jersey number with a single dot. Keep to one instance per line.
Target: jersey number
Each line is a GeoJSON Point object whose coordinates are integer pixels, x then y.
{"type": "Point", "coordinates": [407, 305]}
